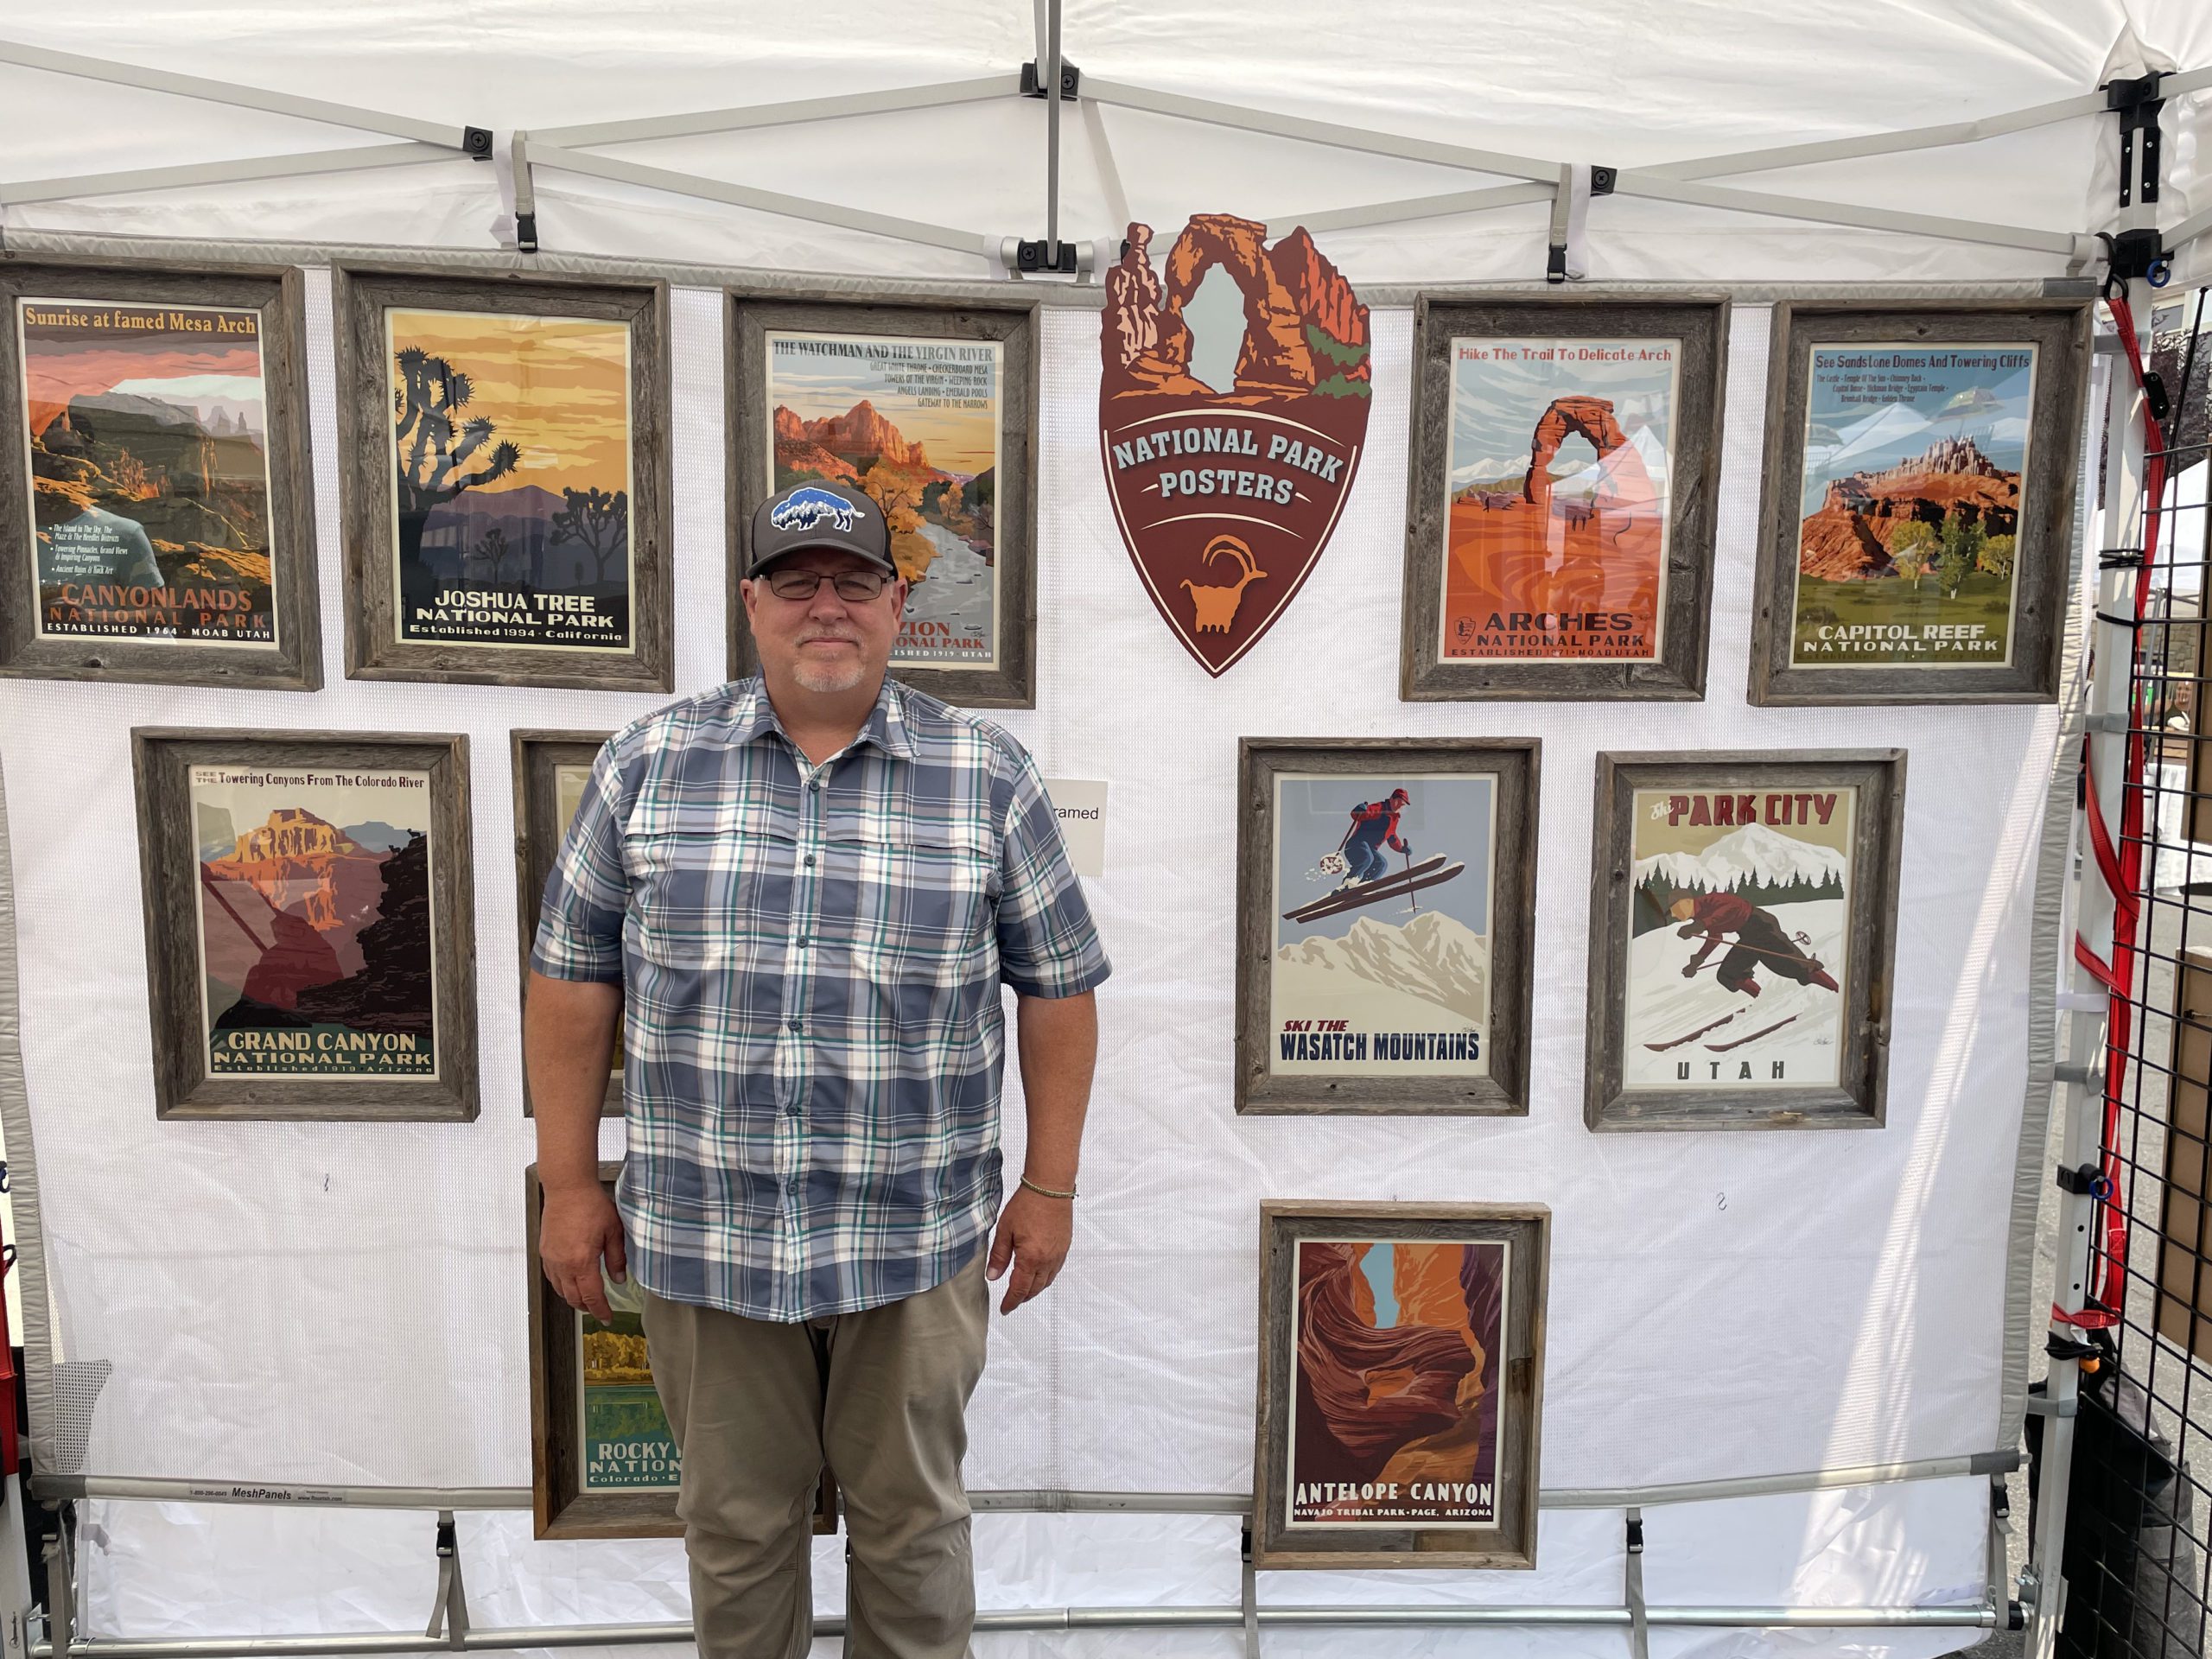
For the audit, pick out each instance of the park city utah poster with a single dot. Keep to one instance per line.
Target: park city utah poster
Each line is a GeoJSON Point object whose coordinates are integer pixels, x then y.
{"type": "Point", "coordinates": [148, 444]}
{"type": "Point", "coordinates": [1556, 511]}
{"type": "Point", "coordinates": [1395, 1413]}
{"type": "Point", "coordinates": [315, 922]}
{"type": "Point", "coordinates": [1739, 919]}
{"type": "Point", "coordinates": [511, 449]}
{"type": "Point", "coordinates": [915, 424]}
{"type": "Point", "coordinates": [1232, 415]}
{"type": "Point", "coordinates": [1910, 508]}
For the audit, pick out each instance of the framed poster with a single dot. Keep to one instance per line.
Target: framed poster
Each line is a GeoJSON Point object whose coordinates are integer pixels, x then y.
{"type": "Point", "coordinates": [309, 946]}
{"type": "Point", "coordinates": [1401, 1400]}
{"type": "Point", "coordinates": [156, 519]}
{"type": "Point", "coordinates": [506, 479]}
{"type": "Point", "coordinates": [603, 1461]}
{"type": "Point", "coordinates": [1384, 893]}
{"type": "Point", "coordinates": [551, 769]}
{"type": "Point", "coordinates": [932, 411]}
{"type": "Point", "coordinates": [1565, 461]}
{"type": "Point", "coordinates": [1916, 525]}
{"type": "Point", "coordinates": [1743, 939]}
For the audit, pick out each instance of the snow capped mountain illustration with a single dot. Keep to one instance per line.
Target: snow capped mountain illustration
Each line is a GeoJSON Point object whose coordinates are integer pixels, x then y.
{"type": "Point", "coordinates": [1752, 856]}
{"type": "Point", "coordinates": [1434, 957]}
{"type": "Point", "coordinates": [1489, 469]}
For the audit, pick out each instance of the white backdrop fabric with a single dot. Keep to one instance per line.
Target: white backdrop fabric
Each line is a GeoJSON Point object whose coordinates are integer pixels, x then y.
{"type": "Point", "coordinates": [345, 1304]}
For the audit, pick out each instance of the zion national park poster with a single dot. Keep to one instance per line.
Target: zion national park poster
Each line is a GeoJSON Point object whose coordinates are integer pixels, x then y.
{"type": "Point", "coordinates": [1381, 964]}
{"type": "Point", "coordinates": [916, 424]}
{"type": "Point", "coordinates": [1556, 479]}
{"type": "Point", "coordinates": [315, 922]}
{"type": "Point", "coordinates": [1232, 416]}
{"type": "Point", "coordinates": [511, 479]}
{"type": "Point", "coordinates": [1739, 926]}
{"type": "Point", "coordinates": [148, 433]}
{"type": "Point", "coordinates": [1910, 507]}
{"type": "Point", "coordinates": [1395, 1408]}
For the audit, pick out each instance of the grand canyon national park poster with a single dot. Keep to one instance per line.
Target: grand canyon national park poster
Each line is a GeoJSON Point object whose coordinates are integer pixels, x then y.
{"type": "Point", "coordinates": [511, 480]}
{"type": "Point", "coordinates": [1381, 958]}
{"type": "Point", "coordinates": [1232, 415]}
{"type": "Point", "coordinates": [148, 433]}
{"type": "Point", "coordinates": [1395, 1411]}
{"type": "Point", "coordinates": [1739, 925]}
{"type": "Point", "coordinates": [315, 922]}
{"type": "Point", "coordinates": [1557, 480]}
{"type": "Point", "coordinates": [916, 424]}
{"type": "Point", "coordinates": [1913, 457]}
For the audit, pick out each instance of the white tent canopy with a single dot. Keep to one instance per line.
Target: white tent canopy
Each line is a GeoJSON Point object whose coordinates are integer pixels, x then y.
{"type": "Point", "coordinates": [325, 1305]}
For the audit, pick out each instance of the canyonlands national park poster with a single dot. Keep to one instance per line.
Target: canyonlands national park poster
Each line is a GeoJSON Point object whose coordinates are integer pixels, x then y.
{"type": "Point", "coordinates": [148, 433]}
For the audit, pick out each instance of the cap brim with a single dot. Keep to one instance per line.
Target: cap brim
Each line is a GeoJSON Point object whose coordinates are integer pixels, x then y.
{"type": "Point", "coordinates": [827, 543]}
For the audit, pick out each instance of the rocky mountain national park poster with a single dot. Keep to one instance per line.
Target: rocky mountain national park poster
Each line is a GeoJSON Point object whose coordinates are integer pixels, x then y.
{"type": "Point", "coordinates": [916, 424]}
{"type": "Point", "coordinates": [1910, 506]}
{"type": "Point", "coordinates": [1738, 935]}
{"type": "Point", "coordinates": [510, 447]}
{"type": "Point", "coordinates": [148, 434]}
{"type": "Point", "coordinates": [626, 1445]}
{"type": "Point", "coordinates": [1558, 474]}
{"type": "Point", "coordinates": [1394, 1417]}
{"type": "Point", "coordinates": [315, 922]}
{"type": "Point", "coordinates": [1232, 417]}
{"type": "Point", "coordinates": [1381, 964]}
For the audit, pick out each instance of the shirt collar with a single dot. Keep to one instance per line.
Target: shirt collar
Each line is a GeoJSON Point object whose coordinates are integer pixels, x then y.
{"type": "Point", "coordinates": [885, 726]}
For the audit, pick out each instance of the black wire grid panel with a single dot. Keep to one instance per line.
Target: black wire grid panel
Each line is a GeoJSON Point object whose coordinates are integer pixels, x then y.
{"type": "Point", "coordinates": [2137, 1546]}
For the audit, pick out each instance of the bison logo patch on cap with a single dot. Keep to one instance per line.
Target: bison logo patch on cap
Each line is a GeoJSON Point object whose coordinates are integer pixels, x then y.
{"type": "Point", "coordinates": [809, 508]}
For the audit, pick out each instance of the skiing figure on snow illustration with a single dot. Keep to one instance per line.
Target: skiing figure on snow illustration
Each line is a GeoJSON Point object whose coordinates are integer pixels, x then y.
{"type": "Point", "coordinates": [1374, 827]}
{"type": "Point", "coordinates": [1760, 942]}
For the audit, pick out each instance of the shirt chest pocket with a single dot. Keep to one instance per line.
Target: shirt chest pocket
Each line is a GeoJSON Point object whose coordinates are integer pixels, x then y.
{"type": "Point", "coordinates": [918, 905]}
{"type": "Point", "coordinates": [710, 898]}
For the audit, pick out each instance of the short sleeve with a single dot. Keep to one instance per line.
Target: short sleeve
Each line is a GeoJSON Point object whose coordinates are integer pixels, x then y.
{"type": "Point", "coordinates": [1048, 944]}
{"type": "Point", "coordinates": [580, 921]}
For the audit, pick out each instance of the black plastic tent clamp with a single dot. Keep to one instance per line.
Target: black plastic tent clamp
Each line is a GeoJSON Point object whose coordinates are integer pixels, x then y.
{"type": "Point", "coordinates": [1033, 80]}
{"type": "Point", "coordinates": [2137, 102]}
{"type": "Point", "coordinates": [2087, 1178]}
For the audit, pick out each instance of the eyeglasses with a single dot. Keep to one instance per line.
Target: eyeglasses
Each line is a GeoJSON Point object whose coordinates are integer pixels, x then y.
{"type": "Point", "coordinates": [858, 586]}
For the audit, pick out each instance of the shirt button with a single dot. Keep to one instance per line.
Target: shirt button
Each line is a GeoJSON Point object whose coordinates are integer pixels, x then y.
{"type": "Point", "coordinates": [809, 861]}
{"type": "Point", "coordinates": [798, 1025]}
{"type": "Point", "coordinates": [804, 942]}
{"type": "Point", "coordinates": [793, 1185]}
{"type": "Point", "coordinates": [816, 785]}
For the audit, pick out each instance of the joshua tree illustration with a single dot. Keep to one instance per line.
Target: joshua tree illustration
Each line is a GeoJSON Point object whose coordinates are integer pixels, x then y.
{"type": "Point", "coordinates": [494, 549]}
{"type": "Point", "coordinates": [435, 452]}
{"type": "Point", "coordinates": [595, 520]}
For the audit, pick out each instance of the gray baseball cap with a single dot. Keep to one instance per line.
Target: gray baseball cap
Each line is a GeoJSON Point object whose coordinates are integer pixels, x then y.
{"type": "Point", "coordinates": [817, 513]}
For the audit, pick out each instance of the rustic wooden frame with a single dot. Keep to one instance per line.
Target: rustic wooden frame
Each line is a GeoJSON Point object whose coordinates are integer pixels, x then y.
{"type": "Point", "coordinates": [293, 663]}
{"type": "Point", "coordinates": [2185, 1237]}
{"type": "Point", "coordinates": [160, 760]}
{"type": "Point", "coordinates": [538, 830]}
{"type": "Point", "coordinates": [360, 295]}
{"type": "Point", "coordinates": [1514, 762]}
{"type": "Point", "coordinates": [1701, 322]}
{"type": "Point", "coordinates": [2043, 561]}
{"type": "Point", "coordinates": [559, 1509]}
{"type": "Point", "coordinates": [1859, 1100]}
{"type": "Point", "coordinates": [1012, 683]}
{"type": "Point", "coordinates": [1527, 1228]}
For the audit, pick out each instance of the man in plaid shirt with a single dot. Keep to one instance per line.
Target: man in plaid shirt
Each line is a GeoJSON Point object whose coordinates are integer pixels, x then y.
{"type": "Point", "coordinates": [797, 897]}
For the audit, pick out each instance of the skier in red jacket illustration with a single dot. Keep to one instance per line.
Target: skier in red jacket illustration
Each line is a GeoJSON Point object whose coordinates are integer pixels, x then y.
{"type": "Point", "coordinates": [1760, 942]}
{"type": "Point", "coordinates": [1374, 826]}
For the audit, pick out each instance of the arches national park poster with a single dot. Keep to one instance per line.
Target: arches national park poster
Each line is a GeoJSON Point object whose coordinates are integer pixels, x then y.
{"type": "Point", "coordinates": [302, 896]}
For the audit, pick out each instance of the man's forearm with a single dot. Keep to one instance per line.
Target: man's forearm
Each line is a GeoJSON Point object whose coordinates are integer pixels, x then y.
{"type": "Point", "coordinates": [569, 1032]}
{"type": "Point", "coordinates": [1058, 1040]}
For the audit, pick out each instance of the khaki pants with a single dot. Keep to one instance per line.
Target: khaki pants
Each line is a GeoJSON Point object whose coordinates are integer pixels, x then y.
{"type": "Point", "coordinates": [756, 1407]}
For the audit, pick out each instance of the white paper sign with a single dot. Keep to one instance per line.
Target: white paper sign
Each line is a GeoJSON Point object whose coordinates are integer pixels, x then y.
{"type": "Point", "coordinates": [1080, 806]}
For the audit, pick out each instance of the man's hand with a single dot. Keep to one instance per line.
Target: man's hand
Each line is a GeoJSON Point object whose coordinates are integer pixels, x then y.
{"type": "Point", "coordinates": [580, 1226]}
{"type": "Point", "coordinates": [1035, 1233]}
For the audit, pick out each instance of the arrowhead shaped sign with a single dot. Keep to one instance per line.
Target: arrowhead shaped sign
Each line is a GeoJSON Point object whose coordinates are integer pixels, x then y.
{"type": "Point", "coordinates": [1226, 496]}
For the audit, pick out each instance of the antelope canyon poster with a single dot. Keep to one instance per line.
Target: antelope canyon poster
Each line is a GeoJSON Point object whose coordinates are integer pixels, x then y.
{"type": "Point", "coordinates": [511, 465]}
{"type": "Point", "coordinates": [917, 425]}
{"type": "Point", "coordinates": [1232, 416]}
{"type": "Point", "coordinates": [1557, 480]}
{"type": "Point", "coordinates": [147, 427]}
{"type": "Point", "coordinates": [315, 922]}
{"type": "Point", "coordinates": [1395, 1408]}
{"type": "Point", "coordinates": [1910, 514]}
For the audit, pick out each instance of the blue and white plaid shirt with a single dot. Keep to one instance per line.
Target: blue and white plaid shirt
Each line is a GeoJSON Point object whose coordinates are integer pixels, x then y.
{"type": "Point", "coordinates": [811, 958]}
